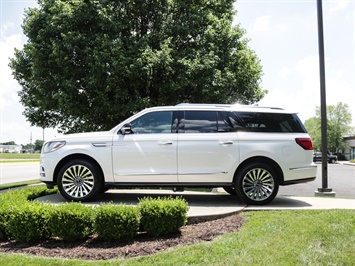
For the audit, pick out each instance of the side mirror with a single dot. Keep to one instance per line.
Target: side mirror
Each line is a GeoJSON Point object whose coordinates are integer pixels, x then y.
{"type": "Point", "coordinates": [126, 129]}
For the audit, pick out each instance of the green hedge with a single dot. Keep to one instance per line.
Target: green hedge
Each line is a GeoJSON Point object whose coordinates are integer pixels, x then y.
{"type": "Point", "coordinates": [116, 222]}
{"type": "Point", "coordinates": [71, 221]}
{"type": "Point", "coordinates": [29, 222]}
{"type": "Point", "coordinates": [4, 218]}
{"type": "Point", "coordinates": [162, 215]}
{"type": "Point", "coordinates": [15, 203]}
{"type": "Point", "coordinates": [25, 220]}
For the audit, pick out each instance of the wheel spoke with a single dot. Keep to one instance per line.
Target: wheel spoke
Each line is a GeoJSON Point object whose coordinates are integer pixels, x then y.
{"type": "Point", "coordinates": [78, 181]}
{"type": "Point", "coordinates": [258, 184]}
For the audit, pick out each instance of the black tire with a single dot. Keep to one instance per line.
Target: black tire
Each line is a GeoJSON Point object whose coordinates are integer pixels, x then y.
{"type": "Point", "coordinates": [104, 189]}
{"type": "Point", "coordinates": [79, 180]}
{"type": "Point", "coordinates": [257, 184]}
{"type": "Point", "coordinates": [230, 190]}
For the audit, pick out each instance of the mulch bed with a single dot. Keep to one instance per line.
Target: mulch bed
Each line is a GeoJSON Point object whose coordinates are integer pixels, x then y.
{"type": "Point", "coordinates": [94, 249]}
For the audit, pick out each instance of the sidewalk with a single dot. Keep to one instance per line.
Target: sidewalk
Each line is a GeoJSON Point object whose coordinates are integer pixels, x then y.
{"type": "Point", "coordinates": [346, 163]}
{"type": "Point", "coordinates": [207, 205]}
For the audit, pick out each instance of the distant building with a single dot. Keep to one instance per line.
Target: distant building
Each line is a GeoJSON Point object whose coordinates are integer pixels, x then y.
{"type": "Point", "coordinates": [11, 148]}
{"type": "Point", "coordinates": [349, 151]}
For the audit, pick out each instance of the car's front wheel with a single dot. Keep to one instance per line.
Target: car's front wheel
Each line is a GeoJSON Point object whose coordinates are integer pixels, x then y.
{"type": "Point", "coordinates": [79, 180]}
{"type": "Point", "coordinates": [257, 184]}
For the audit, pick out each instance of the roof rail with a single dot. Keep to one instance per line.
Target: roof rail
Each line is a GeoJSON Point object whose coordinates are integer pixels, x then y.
{"type": "Point", "coordinates": [265, 107]}
{"type": "Point", "coordinates": [204, 104]}
{"type": "Point", "coordinates": [229, 105]}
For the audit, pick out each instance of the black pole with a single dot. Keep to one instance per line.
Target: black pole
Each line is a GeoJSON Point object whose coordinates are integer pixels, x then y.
{"type": "Point", "coordinates": [324, 188]}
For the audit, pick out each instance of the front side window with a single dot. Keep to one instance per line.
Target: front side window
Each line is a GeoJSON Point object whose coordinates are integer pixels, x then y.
{"type": "Point", "coordinates": [153, 123]}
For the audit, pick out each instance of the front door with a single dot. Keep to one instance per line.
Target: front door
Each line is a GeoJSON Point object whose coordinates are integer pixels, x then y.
{"type": "Point", "coordinates": [148, 153]}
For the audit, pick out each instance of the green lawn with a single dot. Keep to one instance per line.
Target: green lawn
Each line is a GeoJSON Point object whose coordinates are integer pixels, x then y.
{"type": "Point", "coordinates": [299, 237]}
{"type": "Point", "coordinates": [16, 157]}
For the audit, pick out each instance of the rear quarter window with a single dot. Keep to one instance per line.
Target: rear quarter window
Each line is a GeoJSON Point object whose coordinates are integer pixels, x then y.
{"type": "Point", "coordinates": [268, 122]}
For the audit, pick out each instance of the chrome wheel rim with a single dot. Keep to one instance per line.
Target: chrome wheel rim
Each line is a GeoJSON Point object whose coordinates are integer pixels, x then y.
{"type": "Point", "coordinates": [258, 184]}
{"type": "Point", "coordinates": [78, 181]}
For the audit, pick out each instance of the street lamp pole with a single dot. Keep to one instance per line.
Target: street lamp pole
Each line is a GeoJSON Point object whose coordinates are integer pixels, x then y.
{"type": "Point", "coordinates": [324, 190]}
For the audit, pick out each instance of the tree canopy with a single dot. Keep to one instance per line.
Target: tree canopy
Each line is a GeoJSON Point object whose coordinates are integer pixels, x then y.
{"type": "Point", "coordinates": [338, 121]}
{"type": "Point", "coordinates": [89, 64]}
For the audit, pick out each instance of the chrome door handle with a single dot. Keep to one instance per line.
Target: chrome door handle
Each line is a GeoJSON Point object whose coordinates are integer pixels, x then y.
{"type": "Point", "coordinates": [99, 144]}
{"type": "Point", "coordinates": [227, 142]}
{"type": "Point", "coordinates": [165, 143]}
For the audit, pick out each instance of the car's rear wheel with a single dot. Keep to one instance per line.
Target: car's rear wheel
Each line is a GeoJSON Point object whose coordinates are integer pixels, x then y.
{"type": "Point", "coordinates": [79, 180]}
{"type": "Point", "coordinates": [257, 184]}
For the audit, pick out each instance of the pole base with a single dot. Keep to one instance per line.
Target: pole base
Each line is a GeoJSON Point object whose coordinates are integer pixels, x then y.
{"type": "Point", "coordinates": [324, 192]}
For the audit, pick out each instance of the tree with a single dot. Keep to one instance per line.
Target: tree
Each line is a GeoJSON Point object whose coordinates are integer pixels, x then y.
{"type": "Point", "coordinates": [8, 143]}
{"type": "Point", "coordinates": [313, 127]}
{"type": "Point", "coordinates": [338, 121]}
{"type": "Point", "coordinates": [89, 64]}
{"type": "Point", "coordinates": [38, 145]}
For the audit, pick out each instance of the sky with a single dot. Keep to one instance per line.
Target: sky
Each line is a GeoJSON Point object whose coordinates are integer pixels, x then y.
{"type": "Point", "coordinates": [283, 34]}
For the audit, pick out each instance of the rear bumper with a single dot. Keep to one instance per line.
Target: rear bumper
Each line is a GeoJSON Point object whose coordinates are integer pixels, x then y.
{"type": "Point", "coordinates": [292, 182]}
{"type": "Point", "coordinates": [300, 175]}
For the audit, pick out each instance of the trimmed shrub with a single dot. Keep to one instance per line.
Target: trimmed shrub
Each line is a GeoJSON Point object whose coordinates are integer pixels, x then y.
{"type": "Point", "coordinates": [26, 221]}
{"type": "Point", "coordinates": [4, 217]}
{"type": "Point", "coordinates": [116, 222]}
{"type": "Point", "coordinates": [19, 196]}
{"type": "Point", "coordinates": [71, 221]}
{"type": "Point", "coordinates": [162, 215]}
{"type": "Point", "coordinates": [29, 222]}
{"type": "Point", "coordinates": [12, 199]}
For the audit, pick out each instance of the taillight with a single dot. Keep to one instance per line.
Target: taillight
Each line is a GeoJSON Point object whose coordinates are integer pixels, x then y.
{"type": "Point", "coordinates": [305, 143]}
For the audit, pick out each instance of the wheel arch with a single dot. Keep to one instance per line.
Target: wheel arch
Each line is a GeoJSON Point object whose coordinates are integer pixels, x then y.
{"type": "Point", "coordinates": [262, 159]}
{"type": "Point", "coordinates": [71, 157]}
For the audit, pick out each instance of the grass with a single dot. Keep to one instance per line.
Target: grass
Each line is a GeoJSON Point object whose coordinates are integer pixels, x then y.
{"type": "Point", "coordinates": [19, 184]}
{"type": "Point", "coordinates": [19, 157]}
{"type": "Point", "coordinates": [299, 237]}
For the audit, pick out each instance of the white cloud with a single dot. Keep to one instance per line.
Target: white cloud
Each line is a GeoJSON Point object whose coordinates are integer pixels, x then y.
{"type": "Point", "coordinates": [262, 24]}
{"type": "Point", "coordinates": [302, 90]}
{"type": "Point", "coordinates": [309, 69]}
{"type": "Point", "coordinates": [339, 5]}
{"type": "Point", "coordinates": [284, 72]}
{"type": "Point", "coordinates": [13, 125]}
{"type": "Point", "coordinates": [9, 86]}
{"type": "Point", "coordinates": [289, 53]}
{"type": "Point", "coordinates": [282, 27]}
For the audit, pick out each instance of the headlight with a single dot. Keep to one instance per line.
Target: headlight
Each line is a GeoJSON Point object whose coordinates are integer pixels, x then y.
{"type": "Point", "coordinates": [52, 146]}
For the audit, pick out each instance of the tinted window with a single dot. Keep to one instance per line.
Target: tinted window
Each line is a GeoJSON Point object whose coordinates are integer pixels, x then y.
{"type": "Point", "coordinates": [202, 122]}
{"type": "Point", "coordinates": [155, 122]}
{"type": "Point", "coordinates": [234, 121]}
{"type": "Point", "coordinates": [270, 122]}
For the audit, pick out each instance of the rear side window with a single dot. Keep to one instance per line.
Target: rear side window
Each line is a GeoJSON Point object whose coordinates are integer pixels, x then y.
{"type": "Point", "coordinates": [269, 122]}
{"type": "Point", "coordinates": [202, 122]}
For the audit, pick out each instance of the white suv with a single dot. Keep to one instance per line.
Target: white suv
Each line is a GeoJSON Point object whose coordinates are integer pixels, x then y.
{"type": "Point", "coordinates": [247, 150]}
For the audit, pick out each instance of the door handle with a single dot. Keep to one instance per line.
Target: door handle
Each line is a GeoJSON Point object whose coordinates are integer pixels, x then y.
{"type": "Point", "coordinates": [99, 144]}
{"type": "Point", "coordinates": [165, 143]}
{"type": "Point", "coordinates": [227, 142]}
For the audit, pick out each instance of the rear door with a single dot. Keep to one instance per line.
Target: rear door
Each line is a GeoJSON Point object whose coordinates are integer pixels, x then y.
{"type": "Point", "coordinates": [207, 147]}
